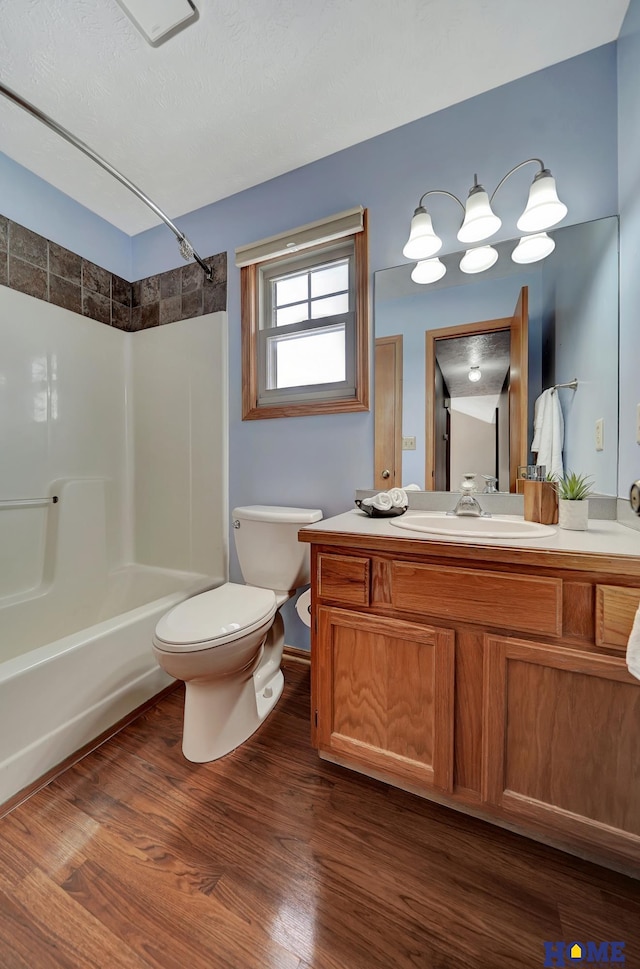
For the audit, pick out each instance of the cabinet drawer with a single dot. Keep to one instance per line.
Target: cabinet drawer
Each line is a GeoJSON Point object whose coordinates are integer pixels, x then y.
{"type": "Point", "coordinates": [519, 602]}
{"type": "Point", "coordinates": [344, 578]}
{"type": "Point", "coordinates": [615, 612]}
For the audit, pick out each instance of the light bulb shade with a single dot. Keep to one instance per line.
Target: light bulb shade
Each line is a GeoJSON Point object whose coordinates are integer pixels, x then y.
{"type": "Point", "coordinates": [474, 375]}
{"type": "Point", "coordinates": [422, 242]}
{"type": "Point", "coordinates": [480, 221]}
{"type": "Point", "coordinates": [533, 248]}
{"type": "Point", "coordinates": [428, 271]}
{"type": "Point", "coordinates": [478, 260]}
{"type": "Point", "coordinates": [544, 208]}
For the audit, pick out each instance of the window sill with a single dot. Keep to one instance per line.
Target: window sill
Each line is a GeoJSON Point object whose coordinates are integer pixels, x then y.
{"type": "Point", "coordinates": [305, 409]}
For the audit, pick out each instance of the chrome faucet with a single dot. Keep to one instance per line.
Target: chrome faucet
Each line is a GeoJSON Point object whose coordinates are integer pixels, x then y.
{"type": "Point", "coordinates": [490, 484]}
{"type": "Point", "coordinates": [467, 503]}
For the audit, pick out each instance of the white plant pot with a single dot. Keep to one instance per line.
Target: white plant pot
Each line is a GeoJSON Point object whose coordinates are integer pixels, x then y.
{"type": "Point", "coordinates": [573, 514]}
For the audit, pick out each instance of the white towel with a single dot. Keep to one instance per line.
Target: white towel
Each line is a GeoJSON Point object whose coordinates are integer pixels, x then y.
{"type": "Point", "coordinates": [633, 647]}
{"type": "Point", "coordinates": [411, 487]}
{"type": "Point", "coordinates": [398, 497]}
{"type": "Point", "coordinates": [548, 432]}
{"type": "Point", "coordinates": [382, 501]}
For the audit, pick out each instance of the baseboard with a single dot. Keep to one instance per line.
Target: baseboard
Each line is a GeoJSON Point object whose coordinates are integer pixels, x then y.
{"type": "Point", "coordinates": [294, 655]}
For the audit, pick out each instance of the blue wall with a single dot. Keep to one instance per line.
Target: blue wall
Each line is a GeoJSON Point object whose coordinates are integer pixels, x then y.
{"type": "Point", "coordinates": [432, 309]}
{"type": "Point", "coordinates": [580, 286]}
{"type": "Point", "coordinates": [566, 114]}
{"type": "Point", "coordinates": [629, 191]}
{"type": "Point", "coordinates": [28, 199]}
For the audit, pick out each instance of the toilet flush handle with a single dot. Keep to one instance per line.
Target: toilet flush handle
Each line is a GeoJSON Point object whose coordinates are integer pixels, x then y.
{"type": "Point", "coordinates": [236, 523]}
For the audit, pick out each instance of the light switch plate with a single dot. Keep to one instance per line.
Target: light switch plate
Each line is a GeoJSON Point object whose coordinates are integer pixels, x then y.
{"type": "Point", "coordinates": [408, 443]}
{"type": "Point", "coordinates": [600, 434]}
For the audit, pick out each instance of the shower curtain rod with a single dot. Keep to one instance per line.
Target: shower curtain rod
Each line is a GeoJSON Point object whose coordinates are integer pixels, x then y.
{"type": "Point", "coordinates": [186, 249]}
{"type": "Point", "coordinates": [12, 502]}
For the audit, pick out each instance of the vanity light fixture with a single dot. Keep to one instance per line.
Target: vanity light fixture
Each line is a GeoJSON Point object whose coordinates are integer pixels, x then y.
{"type": "Point", "coordinates": [533, 248]}
{"type": "Point", "coordinates": [543, 210]}
{"type": "Point", "coordinates": [422, 242]}
{"type": "Point", "coordinates": [478, 260]}
{"type": "Point", "coordinates": [480, 221]}
{"type": "Point", "coordinates": [428, 271]}
{"type": "Point", "coordinates": [474, 374]}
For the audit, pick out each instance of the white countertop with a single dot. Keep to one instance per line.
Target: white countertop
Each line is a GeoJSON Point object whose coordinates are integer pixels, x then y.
{"type": "Point", "coordinates": [601, 538]}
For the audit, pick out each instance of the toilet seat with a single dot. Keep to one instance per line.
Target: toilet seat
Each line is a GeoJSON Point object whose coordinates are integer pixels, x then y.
{"type": "Point", "coordinates": [215, 618]}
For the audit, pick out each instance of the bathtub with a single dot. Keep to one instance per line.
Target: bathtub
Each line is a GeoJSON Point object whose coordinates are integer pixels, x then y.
{"type": "Point", "coordinates": [56, 696]}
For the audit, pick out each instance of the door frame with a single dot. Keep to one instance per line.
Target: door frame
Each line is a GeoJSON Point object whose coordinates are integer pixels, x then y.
{"type": "Point", "coordinates": [518, 389]}
{"type": "Point", "coordinates": [392, 403]}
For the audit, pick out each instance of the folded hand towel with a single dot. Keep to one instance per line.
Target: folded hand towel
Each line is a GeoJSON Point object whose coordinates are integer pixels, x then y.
{"type": "Point", "coordinates": [633, 648]}
{"type": "Point", "coordinates": [412, 487]}
{"type": "Point", "coordinates": [548, 432]}
{"type": "Point", "coordinates": [398, 497]}
{"type": "Point", "coordinates": [380, 501]}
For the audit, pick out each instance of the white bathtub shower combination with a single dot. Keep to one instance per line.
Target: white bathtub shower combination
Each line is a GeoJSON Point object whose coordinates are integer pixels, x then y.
{"type": "Point", "coordinates": [76, 651]}
{"type": "Point", "coordinates": [129, 431]}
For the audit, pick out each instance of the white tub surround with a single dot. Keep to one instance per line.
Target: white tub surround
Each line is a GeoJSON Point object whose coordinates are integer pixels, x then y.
{"type": "Point", "coordinates": [132, 440]}
{"type": "Point", "coordinates": [76, 650]}
{"type": "Point", "coordinates": [58, 697]}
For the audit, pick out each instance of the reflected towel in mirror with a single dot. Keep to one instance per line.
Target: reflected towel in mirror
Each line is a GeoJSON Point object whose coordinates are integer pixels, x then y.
{"type": "Point", "coordinates": [398, 497]}
{"type": "Point", "coordinates": [548, 432]}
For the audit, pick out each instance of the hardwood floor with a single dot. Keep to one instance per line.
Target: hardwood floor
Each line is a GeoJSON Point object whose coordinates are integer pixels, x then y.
{"type": "Point", "coordinates": [273, 859]}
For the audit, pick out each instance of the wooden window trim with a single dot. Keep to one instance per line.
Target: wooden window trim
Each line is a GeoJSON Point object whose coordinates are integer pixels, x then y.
{"type": "Point", "coordinates": [249, 319]}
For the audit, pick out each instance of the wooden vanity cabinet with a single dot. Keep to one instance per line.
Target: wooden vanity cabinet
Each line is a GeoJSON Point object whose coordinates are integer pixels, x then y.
{"type": "Point", "coordinates": [562, 742]}
{"type": "Point", "coordinates": [385, 693]}
{"type": "Point", "coordinates": [489, 680]}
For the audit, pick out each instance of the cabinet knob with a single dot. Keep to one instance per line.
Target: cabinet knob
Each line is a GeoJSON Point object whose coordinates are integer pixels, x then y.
{"type": "Point", "coordinates": [385, 473]}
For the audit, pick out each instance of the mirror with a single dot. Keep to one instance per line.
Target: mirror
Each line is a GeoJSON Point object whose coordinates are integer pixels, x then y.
{"type": "Point", "coordinates": [572, 334]}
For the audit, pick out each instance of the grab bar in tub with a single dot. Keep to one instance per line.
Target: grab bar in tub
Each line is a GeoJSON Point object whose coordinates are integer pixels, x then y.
{"type": "Point", "coordinates": [11, 502]}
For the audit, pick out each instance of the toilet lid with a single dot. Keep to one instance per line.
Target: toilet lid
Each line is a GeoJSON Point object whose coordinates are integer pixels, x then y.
{"type": "Point", "coordinates": [216, 617]}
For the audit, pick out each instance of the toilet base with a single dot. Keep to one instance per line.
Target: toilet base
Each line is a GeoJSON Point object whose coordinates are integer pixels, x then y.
{"type": "Point", "coordinates": [216, 720]}
{"type": "Point", "coordinates": [269, 695]}
{"type": "Point", "coordinates": [221, 713]}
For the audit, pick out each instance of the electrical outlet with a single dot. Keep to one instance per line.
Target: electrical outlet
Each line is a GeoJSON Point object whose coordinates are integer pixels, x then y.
{"type": "Point", "coordinates": [408, 443]}
{"type": "Point", "coordinates": [600, 434]}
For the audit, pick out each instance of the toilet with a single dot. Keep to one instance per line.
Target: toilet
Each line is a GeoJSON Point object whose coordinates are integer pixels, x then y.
{"type": "Point", "coordinates": [226, 644]}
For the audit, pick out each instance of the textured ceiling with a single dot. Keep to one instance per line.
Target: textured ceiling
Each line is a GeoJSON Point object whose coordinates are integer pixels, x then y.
{"type": "Point", "coordinates": [255, 88]}
{"type": "Point", "coordinates": [489, 351]}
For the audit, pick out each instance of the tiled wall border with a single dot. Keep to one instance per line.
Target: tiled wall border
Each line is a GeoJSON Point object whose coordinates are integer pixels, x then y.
{"type": "Point", "coordinates": [41, 268]}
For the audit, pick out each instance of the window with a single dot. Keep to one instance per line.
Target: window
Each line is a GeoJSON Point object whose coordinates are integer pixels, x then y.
{"type": "Point", "coordinates": [305, 320]}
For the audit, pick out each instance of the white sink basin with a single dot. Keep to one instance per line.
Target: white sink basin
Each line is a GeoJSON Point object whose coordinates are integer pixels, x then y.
{"type": "Point", "coordinates": [499, 526]}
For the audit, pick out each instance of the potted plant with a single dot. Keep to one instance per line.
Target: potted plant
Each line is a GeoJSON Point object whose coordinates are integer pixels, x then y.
{"type": "Point", "coordinates": [573, 505]}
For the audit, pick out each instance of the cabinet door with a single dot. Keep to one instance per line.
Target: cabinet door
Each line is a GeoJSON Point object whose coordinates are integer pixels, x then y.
{"type": "Point", "coordinates": [384, 694]}
{"type": "Point", "coordinates": [560, 742]}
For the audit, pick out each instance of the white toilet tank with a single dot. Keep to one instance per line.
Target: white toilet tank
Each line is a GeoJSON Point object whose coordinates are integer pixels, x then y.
{"type": "Point", "coordinates": [269, 552]}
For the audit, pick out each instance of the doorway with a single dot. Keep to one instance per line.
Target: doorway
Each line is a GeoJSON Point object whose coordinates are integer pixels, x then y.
{"type": "Point", "coordinates": [479, 424]}
{"type": "Point", "coordinates": [387, 470]}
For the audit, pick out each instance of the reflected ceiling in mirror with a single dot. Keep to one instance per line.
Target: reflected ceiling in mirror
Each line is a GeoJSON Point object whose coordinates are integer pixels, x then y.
{"type": "Point", "coordinates": [573, 332]}
{"type": "Point", "coordinates": [487, 354]}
